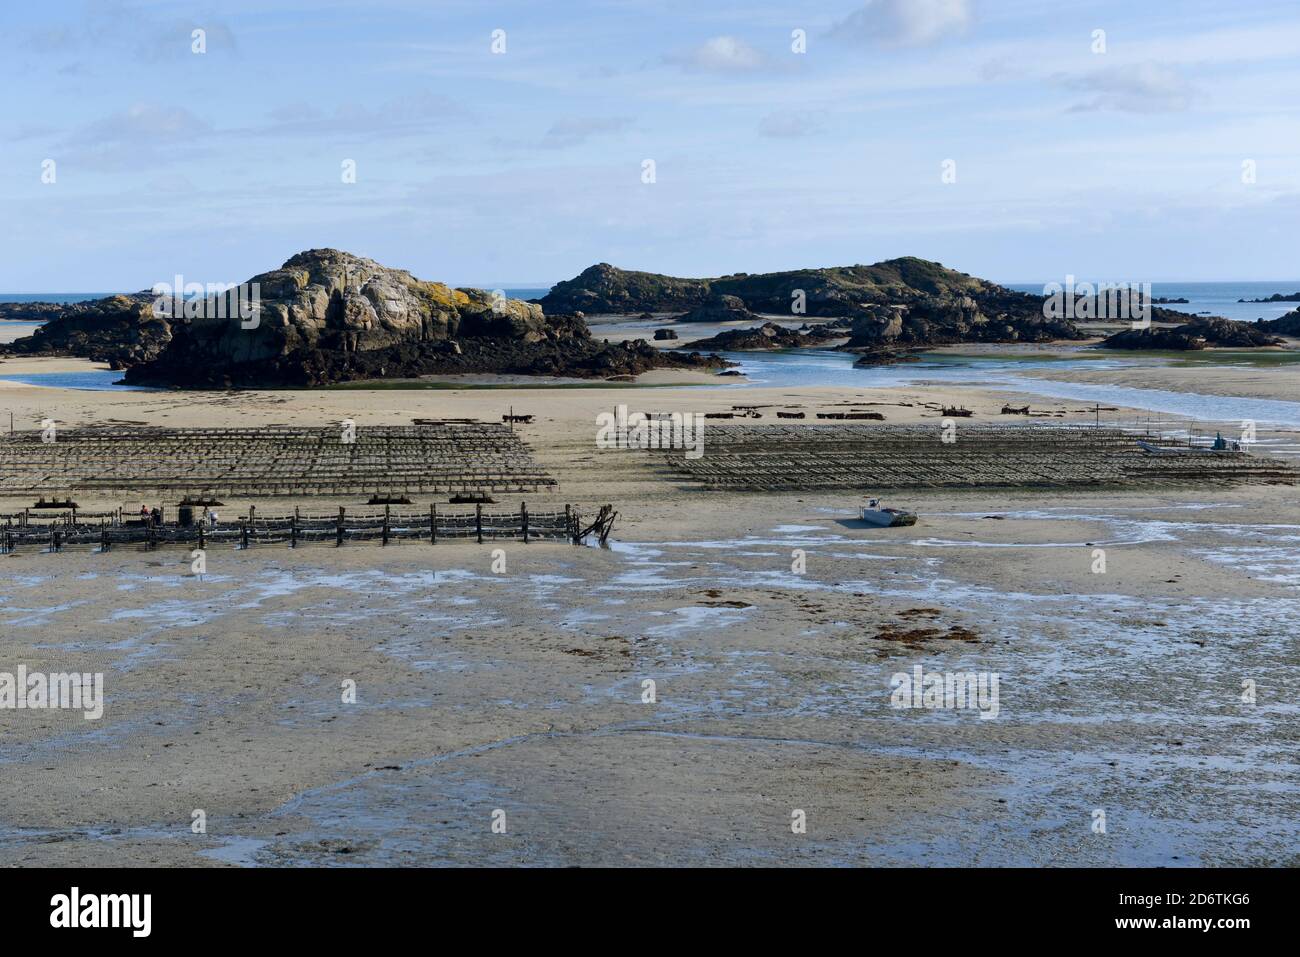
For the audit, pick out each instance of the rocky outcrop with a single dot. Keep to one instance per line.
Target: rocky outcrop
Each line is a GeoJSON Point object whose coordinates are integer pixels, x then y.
{"type": "Point", "coordinates": [832, 291]}
{"type": "Point", "coordinates": [1197, 334]}
{"type": "Point", "coordinates": [603, 288]}
{"type": "Point", "coordinates": [329, 316]}
{"type": "Point", "coordinates": [663, 334]}
{"type": "Point", "coordinates": [884, 357]}
{"type": "Point", "coordinates": [32, 311]}
{"type": "Point", "coordinates": [584, 358]}
{"type": "Point", "coordinates": [769, 335]}
{"type": "Point", "coordinates": [720, 308]}
{"type": "Point", "coordinates": [1288, 325]}
{"type": "Point", "coordinates": [1276, 297]}
{"type": "Point", "coordinates": [932, 320]}
{"type": "Point", "coordinates": [120, 330]}
{"type": "Point", "coordinates": [906, 301]}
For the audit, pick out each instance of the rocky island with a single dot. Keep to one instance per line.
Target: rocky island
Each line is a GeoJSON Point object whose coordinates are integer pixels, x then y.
{"type": "Point", "coordinates": [769, 335]}
{"type": "Point", "coordinates": [329, 316]}
{"type": "Point", "coordinates": [1211, 331]}
{"type": "Point", "coordinates": [906, 301]}
{"type": "Point", "coordinates": [119, 330]}
{"type": "Point", "coordinates": [1276, 297]}
{"type": "Point", "coordinates": [1287, 325]}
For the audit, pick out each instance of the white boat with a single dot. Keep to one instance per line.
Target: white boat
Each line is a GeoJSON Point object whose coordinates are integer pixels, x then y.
{"type": "Point", "coordinates": [873, 513]}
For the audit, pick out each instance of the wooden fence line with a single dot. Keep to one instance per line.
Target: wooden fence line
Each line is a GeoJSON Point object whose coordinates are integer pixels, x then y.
{"type": "Point", "coordinates": [297, 529]}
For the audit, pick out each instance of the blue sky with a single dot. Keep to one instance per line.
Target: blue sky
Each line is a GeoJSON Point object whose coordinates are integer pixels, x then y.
{"type": "Point", "coordinates": [524, 167]}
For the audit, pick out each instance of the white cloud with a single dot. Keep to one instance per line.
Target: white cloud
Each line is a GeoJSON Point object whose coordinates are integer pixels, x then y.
{"type": "Point", "coordinates": [721, 55]}
{"type": "Point", "coordinates": [1133, 88]}
{"type": "Point", "coordinates": [411, 112]}
{"type": "Point", "coordinates": [573, 131]}
{"type": "Point", "coordinates": [143, 124]}
{"type": "Point", "coordinates": [905, 22]}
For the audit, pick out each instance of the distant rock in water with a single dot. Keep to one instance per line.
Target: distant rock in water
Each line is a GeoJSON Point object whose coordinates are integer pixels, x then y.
{"type": "Point", "coordinates": [910, 301]}
{"type": "Point", "coordinates": [884, 357]}
{"type": "Point", "coordinates": [1197, 334]}
{"type": "Point", "coordinates": [32, 311]}
{"type": "Point", "coordinates": [1276, 297]}
{"type": "Point", "coordinates": [662, 334]}
{"type": "Point", "coordinates": [769, 335]}
{"type": "Point", "coordinates": [119, 330]}
{"type": "Point", "coordinates": [329, 316]}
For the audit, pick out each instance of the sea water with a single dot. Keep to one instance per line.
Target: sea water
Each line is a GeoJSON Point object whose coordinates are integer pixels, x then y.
{"type": "Point", "coordinates": [1215, 298]}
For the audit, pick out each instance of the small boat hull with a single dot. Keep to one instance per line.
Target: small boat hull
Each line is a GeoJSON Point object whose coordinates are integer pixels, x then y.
{"type": "Point", "coordinates": [887, 517]}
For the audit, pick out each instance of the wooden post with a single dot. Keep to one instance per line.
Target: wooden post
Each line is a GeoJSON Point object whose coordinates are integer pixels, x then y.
{"type": "Point", "coordinates": [478, 521]}
{"type": "Point", "coordinates": [385, 538]}
{"type": "Point", "coordinates": [338, 532]}
{"type": "Point", "coordinates": [523, 519]}
{"type": "Point", "coordinates": [293, 529]}
{"type": "Point", "coordinates": [433, 523]}
{"type": "Point", "coordinates": [243, 532]}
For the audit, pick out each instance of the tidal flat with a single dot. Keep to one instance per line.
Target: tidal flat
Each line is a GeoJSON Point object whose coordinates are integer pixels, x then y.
{"type": "Point", "coordinates": [1159, 691]}
{"type": "Point", "coordinates": [1120, 691]}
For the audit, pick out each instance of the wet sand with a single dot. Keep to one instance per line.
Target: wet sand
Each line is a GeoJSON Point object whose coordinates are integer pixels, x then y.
{"type": "Point", "coordinates": [522, 691]}
{"type": "Point", "coordinates": [1252, 380]}
{"type": "Point", "coordinates": [1119, 691]}
{"type": "Point", "coordinates": [11, 329]}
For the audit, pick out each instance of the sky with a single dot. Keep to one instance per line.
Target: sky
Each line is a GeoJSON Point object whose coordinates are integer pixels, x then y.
{"type": "Point", "coordinates": [506, 143]}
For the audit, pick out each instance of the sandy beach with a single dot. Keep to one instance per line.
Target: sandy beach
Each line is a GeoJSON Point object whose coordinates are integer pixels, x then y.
{"type": "Point", "coordinates": [1251, 381]}
{"type": "Point", "coordinates": [523, 690]}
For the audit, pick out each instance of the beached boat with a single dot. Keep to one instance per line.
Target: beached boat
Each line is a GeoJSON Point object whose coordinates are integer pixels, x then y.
{"type": "Point", "coordinates": [1220, 445]}
{"type": "Point", "coordinates": [874, 513]}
